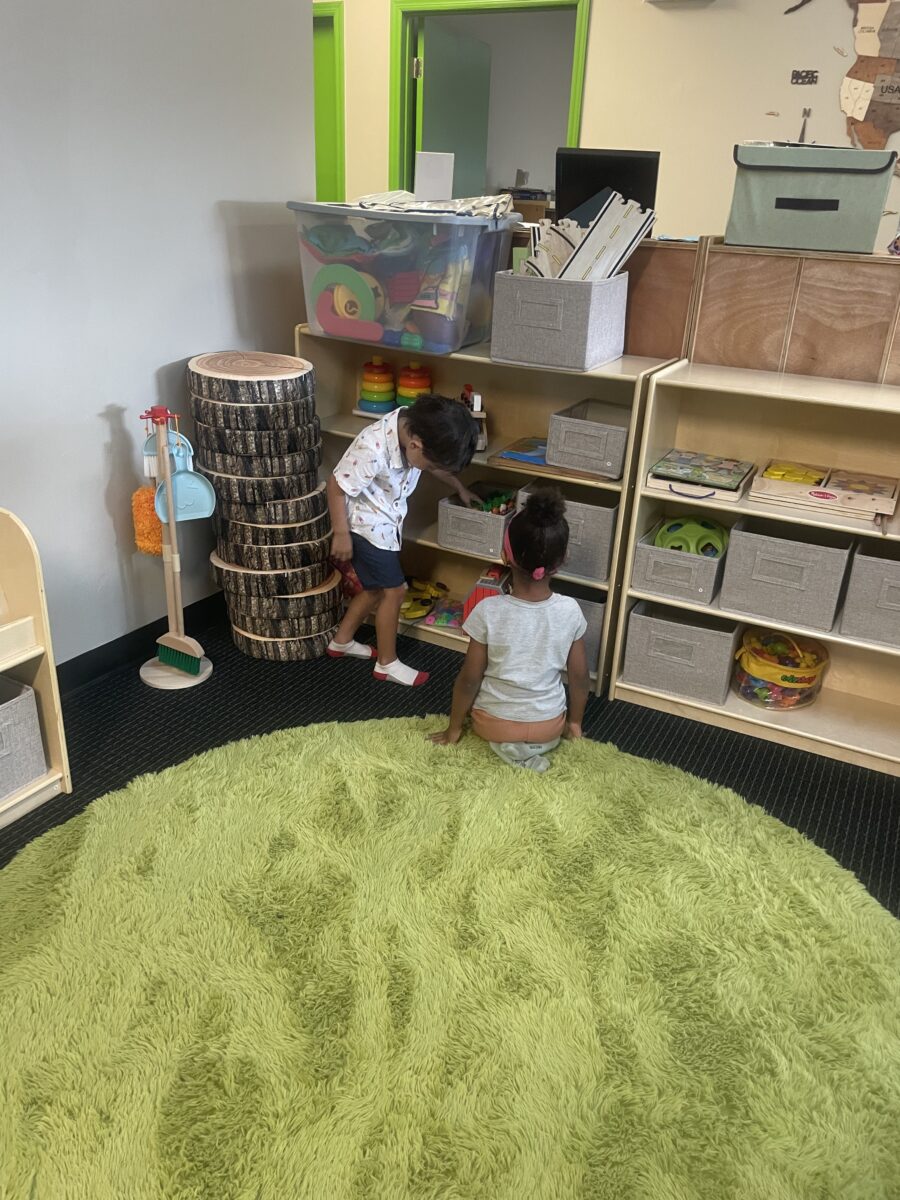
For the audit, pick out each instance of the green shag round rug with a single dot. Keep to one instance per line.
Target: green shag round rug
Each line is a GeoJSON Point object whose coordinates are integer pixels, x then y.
{"type": "Point", "coordinates": [340, 963]}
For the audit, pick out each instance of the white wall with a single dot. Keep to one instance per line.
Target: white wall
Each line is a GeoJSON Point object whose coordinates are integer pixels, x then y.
{"type": "Point", "coordinates": [531, 72]}
{"type": "Point", "coordinates": [693, 77]}
{"type": "Point", "coordinates": [148, 148]}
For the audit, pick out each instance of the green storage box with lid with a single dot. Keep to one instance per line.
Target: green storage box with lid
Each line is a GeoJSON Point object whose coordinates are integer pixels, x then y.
{"type": "Point", "coordinates": [807, 197]}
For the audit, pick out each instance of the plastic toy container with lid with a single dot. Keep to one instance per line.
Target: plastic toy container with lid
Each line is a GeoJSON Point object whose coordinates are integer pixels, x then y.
{"type": "Point", "coordinates": [777, 671]}
{"type": "Point", "coordinates": [414, 280]}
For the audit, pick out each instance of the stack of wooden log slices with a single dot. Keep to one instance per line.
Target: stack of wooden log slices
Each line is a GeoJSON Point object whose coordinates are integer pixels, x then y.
{"type": "Point", "coordinates": [258, 442]}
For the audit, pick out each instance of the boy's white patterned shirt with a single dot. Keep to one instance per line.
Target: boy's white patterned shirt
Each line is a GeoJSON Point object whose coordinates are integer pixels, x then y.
{"type": "Point", "coordinates": [376, 479]}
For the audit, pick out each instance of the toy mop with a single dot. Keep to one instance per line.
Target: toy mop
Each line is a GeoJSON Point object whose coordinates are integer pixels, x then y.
{"type": "Point", "coordinates": [180, 495]}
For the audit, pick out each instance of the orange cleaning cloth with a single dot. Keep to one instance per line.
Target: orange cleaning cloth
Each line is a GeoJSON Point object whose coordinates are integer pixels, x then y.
{"type": "Point", "coordinates": [147, 525]}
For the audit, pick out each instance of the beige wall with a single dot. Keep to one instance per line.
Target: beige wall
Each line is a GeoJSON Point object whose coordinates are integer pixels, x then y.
{"type": "Point", "coordinates": [689, 78]}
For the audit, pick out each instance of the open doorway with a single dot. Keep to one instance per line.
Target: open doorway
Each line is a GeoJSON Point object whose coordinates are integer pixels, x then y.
{"type": "Point", "coordinates": [498, 83]}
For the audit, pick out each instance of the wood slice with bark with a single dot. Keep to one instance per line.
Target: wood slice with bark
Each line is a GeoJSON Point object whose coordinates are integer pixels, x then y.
{"type": "Point", "coordinates": [281, 649]}
{"type": "Point", "coordinates": [257, 441]}
{"type": "Point", "coordinates": [265, 627]}
{"type": "Point", "coordinates": [246, 582]}
{"type": "Point", "coordinates": [253, 417]}
{"type": "Point", "coordinates": [277, 512]}
{"type": "Point", "coordinates": [241, 489]}
{"type": "Point", "coordinates": [251, 377]}
{"type": "Point", "coordinates": [274, 558]}
{"type": "Point", "coordinates": [248, 466]}
{"type": "Point", "coordinates": [252, 534]}
{"type": "Point", "coordinates": [324, 598]}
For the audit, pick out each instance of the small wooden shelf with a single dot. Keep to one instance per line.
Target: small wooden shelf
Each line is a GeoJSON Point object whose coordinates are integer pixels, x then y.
{"type": "Point", "coordinates": [22, 596]}
{"type": "Point", "coordinates": [758, 415]}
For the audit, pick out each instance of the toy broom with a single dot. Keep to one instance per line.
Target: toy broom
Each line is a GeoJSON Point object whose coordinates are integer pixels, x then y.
{"type": "Point", "coordinates": [180, 660]}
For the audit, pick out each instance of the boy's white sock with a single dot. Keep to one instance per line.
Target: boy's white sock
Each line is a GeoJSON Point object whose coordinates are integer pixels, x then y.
{"type": "Point", "coordinates": [399, 672]}
{"type": "Point", "coordinates": [351, 649]}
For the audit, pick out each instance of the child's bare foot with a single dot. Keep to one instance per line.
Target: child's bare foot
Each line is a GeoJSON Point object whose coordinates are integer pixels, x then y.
{"type": "Point", "coordinates": [398, 672]}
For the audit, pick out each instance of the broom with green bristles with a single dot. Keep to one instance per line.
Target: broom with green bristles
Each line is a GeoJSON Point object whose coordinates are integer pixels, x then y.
{"type": "Point", "coordinates": [180, 660]}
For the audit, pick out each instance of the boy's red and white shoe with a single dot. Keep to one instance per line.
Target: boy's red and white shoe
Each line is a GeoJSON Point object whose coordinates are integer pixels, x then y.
{"type": "Point", "coordinates": [350, 649]}
{"type": "Point", "coordinates": [398, 672]}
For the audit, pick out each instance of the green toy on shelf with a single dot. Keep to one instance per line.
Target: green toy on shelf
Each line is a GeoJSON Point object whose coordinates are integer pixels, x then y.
{"type": "Point", "coordinates": [693, 535]}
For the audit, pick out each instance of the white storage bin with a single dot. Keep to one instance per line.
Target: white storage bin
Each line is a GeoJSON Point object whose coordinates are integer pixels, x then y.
{"type": "Point", "coordinates": [592, 529]}
{"type": "Point", "coordinates": [590, 436]}
{"type": "Point", "coordinates": [776, 572]}
{"type": "Point", "coordinates": [21, 749]}
{"type": "Point", "coordinates": [682, 653]}
{"type": "Point", "coordinates": [872, 607]}
{"type": "Point", "coordinates": [572, 324]}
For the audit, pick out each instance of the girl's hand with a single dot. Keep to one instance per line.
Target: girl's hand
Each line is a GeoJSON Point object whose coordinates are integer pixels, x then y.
{"type": "Point", "coordinates": [447, 737]}
{"type": "Point", "coordinates": [573, 731]}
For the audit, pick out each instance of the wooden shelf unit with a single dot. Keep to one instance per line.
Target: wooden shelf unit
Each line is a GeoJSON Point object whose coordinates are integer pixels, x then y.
{"type": "Point", "coordinates": [22, 595]}
{"type": "Point", "coordinates": [519, 402]}
{"type": "Point", "coordinates": [759, 415]}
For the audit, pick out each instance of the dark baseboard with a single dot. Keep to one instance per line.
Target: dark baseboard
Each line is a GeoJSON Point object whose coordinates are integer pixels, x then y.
{"type": "Point", "coordinates": [132, 646]}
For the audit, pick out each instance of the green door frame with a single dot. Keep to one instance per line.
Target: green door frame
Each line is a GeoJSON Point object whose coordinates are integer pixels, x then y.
{"type": "Point", "coordinates": [331, 155]}
{"type": "Point", "coordinates": [401, 132]}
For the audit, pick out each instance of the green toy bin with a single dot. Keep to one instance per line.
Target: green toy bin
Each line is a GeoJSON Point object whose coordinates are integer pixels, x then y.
{"type": "Point", "coordinates": [807, 197]}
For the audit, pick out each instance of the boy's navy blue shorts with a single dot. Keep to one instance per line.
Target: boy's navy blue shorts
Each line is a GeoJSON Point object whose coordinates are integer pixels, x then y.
{"type": "Point", "coordinates": [374, 567]}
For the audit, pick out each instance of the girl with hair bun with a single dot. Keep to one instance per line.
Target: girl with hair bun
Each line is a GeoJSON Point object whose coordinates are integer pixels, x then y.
{"type": "Point", "coordinates": [520, 644]}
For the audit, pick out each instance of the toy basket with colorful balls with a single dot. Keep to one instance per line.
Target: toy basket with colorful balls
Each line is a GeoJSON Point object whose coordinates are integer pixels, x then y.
{"type": "Point", "coordinates": [778, 671]}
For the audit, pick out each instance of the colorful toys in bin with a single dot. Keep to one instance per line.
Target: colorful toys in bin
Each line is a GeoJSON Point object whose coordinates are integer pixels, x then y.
{"type": "Point", "coordinates": [693, 535]}
{"type": "Point", "coordinates": [448, 615]}
{"type": "Point", "coordinates": [378, 395]}
{"type": "Point", "coordinates": [414, 381]}
{"type": "Point", "coordinates": [778, 671]}
{"type": "Point", "coordinates": [496, 581]}
{"type": "Point", "coordinates": [498, 503]}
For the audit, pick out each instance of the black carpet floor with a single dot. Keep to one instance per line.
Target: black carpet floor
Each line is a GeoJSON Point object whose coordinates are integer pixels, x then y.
{"type": "Point", "coordinates": [117, 728]}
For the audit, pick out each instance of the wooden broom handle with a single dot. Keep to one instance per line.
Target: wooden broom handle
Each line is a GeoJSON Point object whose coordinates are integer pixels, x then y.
{"type": "Point", "coordinates": [172, 565]}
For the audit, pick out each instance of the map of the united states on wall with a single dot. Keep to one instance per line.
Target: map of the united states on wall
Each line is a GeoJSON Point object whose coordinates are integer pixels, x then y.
{"type": "Point", "coordinates": [870, 92]}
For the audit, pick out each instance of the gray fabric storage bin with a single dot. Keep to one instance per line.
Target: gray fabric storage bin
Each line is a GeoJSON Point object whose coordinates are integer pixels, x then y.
{"type": "Point", "coordinates": [590, 436]}
{"type": "Point", "coordinates": [673, 572]}
{"type": "Point", "coordinates": [809, 197]}
{"type": "Point", "coordinates": [592, 529]}
{"type": "Point", "coordinates": [461, 528]}
{"type": "Point", "coordinates": [682, 653]}
{"type": "Point", "coordinates": [21, 749]}
{"type": "Point", "coordinates": [594, 611]}
{"type": "Point", "coordinates": [773, 572]}
{"type": "Point", "coordinates": [573, 324]}
{"type": "Point", "coordinates": [872, 607]}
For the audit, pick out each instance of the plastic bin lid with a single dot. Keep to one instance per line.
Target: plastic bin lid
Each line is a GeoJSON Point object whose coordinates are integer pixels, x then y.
{"type": "Point", "coordinates": [377, 214]}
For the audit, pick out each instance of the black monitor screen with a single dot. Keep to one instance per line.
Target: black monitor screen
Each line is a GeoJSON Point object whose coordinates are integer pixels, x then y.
{"type": "Point", "coordinates": [581, 174]}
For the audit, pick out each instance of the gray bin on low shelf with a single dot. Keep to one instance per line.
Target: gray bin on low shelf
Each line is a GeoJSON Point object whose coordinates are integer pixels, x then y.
{"type": "Point", "coordinates": [21, 749]}
{"type": "Point", "coordinates": [572, 324]}
{"type": "Point", "coordinates": [462, 528]}
{"type": "Point", "coordinates": [776, 573]}
{"type": "Point", "coordinates": [681, 653]}
{"type": "Point", "coordinates": [872, 606]}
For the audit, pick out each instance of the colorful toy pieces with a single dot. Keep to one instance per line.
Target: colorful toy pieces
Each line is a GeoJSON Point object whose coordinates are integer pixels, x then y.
{"type": "Point", "coordinates": [377, 396]}
{"type": "Point", "coordinates": [778, 671]}
{"type": "Point", "coordinates": [414, 381]}
{"type": "Point", "coordinates": [693, 535]}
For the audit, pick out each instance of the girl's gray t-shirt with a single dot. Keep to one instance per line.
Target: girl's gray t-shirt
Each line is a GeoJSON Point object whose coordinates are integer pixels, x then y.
{"type": "Point", "coordinates": [528, 646]}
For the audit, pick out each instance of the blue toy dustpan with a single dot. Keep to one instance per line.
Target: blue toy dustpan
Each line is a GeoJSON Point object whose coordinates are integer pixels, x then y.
{"type": "Point", "coordinates": [194, 497]}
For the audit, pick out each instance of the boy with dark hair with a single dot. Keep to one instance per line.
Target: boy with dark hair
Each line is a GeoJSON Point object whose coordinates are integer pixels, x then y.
{"type": "Point", "coordinates": [367, 497]}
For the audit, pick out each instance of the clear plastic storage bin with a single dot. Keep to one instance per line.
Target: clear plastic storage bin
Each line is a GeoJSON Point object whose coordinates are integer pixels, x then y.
{"type": "Point", "coordinates": [414, 280]}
